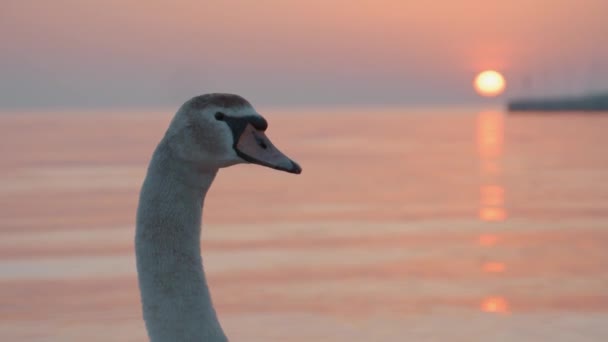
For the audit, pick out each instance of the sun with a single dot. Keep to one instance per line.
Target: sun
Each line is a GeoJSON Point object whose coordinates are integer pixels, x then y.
{"type": "Point", "coordinates": [489, 83]}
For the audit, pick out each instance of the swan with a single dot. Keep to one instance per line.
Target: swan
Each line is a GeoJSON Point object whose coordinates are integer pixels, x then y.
{"type": "Point", "coordinates": [207, 133]}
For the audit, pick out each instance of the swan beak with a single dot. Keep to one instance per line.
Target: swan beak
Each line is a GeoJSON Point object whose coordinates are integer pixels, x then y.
{"type": "Point", "coordinates": [255, 147]}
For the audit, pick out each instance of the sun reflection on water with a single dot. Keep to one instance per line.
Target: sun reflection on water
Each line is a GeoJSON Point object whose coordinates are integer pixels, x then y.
{"type": "Point", "coordinates": [490, 134]}
{"type": "Point", "coordinates": [487, 240]}
{"type": "Point", "coordinates": [494, 267]}
{"type": "Point", "coordinates": [490, 141]}
{"type": "Point", "coordinates": [495, 305]}
{"type": "Point", "coordinates": [490, 214]}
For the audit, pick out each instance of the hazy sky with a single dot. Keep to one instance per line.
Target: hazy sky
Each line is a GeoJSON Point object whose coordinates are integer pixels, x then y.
{"type": "Point", "coordinates": [148, 53]}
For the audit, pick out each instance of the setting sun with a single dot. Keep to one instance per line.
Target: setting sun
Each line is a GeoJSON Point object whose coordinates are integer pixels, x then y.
{"type": "Point", "coordinates": [489, 83]}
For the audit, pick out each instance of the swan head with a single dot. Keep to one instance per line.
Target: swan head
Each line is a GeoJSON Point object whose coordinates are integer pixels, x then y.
{"type": "Point", "coordinates": [220, 130]}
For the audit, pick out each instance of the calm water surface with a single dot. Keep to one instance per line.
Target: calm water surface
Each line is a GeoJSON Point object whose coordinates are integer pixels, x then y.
{"type": "Point", "coordinates": [427, 225]}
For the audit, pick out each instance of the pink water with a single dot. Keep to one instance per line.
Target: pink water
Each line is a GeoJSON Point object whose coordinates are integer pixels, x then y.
{"type": "Point", "coordinates": [406, 225]}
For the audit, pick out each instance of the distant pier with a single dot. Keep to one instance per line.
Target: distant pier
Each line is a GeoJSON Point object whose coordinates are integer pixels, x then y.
{"type": "Point", "coordinates": [586, 103]}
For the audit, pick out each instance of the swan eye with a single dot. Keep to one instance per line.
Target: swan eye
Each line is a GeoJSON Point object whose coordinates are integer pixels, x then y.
{"type": "Point", "coordinates": [219, 116]}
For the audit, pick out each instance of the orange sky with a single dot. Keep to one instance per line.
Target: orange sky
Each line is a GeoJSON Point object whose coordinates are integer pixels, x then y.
{"type": "Point", "coordinates": [97, 53]}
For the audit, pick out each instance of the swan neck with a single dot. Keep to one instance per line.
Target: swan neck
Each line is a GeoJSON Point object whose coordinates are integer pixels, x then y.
{"type": "Point", "coordinates": [175, 297]}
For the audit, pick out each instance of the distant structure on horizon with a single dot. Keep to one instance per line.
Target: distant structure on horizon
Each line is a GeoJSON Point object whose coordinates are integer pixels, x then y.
{"type": "Point", "coordinates": [588, 103]}
{"type": "Point", "coordinates": [563, 89]}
